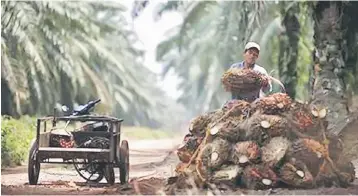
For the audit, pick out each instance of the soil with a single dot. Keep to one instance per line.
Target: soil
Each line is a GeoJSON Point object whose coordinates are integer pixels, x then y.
{"type": "Point", "coordinates": [151, 165]}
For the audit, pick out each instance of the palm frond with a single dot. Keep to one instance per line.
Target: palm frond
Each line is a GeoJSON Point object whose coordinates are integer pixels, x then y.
{"type": "Point", "coordinates": [209, 40]}
{"type": "Point", "coordinates": [85, 49]}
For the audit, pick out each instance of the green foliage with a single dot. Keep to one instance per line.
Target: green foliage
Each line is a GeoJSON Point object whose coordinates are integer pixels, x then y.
{"type": "Point", "coordinates": [16, 136]}
{"type": "Point", "coordinates": [210, 39]}
{"type": "Point", "coordinates": [56, 52]}
{"type": "Point", "coordinates": [304, 62]}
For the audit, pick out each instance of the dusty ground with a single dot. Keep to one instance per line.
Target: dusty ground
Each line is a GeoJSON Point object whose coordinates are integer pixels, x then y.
{"type": "Point", "coordinates": [151, 162]}
{"type": "Point", "coordinates": [147, 157]}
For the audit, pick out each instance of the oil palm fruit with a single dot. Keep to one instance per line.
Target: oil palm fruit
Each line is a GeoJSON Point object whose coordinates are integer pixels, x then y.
{"type": "Point", "coordinates": [188, 147]}
{"type": "Point", "coordinates": [262, 127]}
{"type": "Point", "coordinates": [241, 107]}
{"type": "Point", "coordinates": [274, 152]}
{"type": "Point", "coordinates": [304, 121]}
{"type": "Point", "coordinates": [228, 129]}
{"type": "Point", "coordinates": [245, 152]}
{"type": "Point", "coordinates": [198, 125]}
{"type": "Point", "coordinates": [275, 104]}
{"type": "Point", "coordinates": [295, 174]}
{"type": "Point", "coordinates": [310, 152]}
{"type": "Point", "coordinates": [214, 154]}
{"type": "Point", "coordinates": [259, 177]}
{"type": "Point", "coordinates": [243, 80]}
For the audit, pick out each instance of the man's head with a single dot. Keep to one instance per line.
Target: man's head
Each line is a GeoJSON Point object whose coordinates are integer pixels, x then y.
{"type": "Point", "coordinates": [251, 52]}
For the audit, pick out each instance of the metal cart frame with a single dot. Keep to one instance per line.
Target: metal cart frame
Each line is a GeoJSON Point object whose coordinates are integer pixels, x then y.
{"type": "Point", "coordinates": [116, 156]}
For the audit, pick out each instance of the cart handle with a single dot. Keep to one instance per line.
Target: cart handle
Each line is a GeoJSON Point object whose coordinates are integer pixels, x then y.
{"type": "Point", "coordinates": [84, 109]}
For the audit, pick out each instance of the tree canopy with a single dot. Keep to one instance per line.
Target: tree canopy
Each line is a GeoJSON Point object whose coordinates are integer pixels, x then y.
{"type": "Point", "coordinates": [56, 52]}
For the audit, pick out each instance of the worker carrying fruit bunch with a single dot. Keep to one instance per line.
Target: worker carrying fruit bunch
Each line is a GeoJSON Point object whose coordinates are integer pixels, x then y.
{"type": "Point", "coordinates": [251, 54]}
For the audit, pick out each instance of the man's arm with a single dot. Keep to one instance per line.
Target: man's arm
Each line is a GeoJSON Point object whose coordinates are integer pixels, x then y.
{"type": "Point", "coordinates": [235, 65]}
{"type": "Point", "coordinates": [268, 87]}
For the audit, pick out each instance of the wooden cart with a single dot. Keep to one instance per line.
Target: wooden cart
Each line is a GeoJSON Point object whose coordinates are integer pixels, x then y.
{"type": "Point", "coordinates": [95, 149]}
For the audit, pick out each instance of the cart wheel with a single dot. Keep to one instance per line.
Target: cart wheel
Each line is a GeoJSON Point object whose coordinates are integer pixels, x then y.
{"type": "Point", "coordinates": [89, 171]}
{"type": "Point", "coordinates": [33, 165]}
{"type": "Point", "coordinates": [124, 162]}
{"type": "Point", "coordinates": [109, 174]}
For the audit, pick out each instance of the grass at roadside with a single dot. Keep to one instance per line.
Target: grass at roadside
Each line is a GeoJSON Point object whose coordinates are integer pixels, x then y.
{"type": "Point", "coordinates": [16, 135]}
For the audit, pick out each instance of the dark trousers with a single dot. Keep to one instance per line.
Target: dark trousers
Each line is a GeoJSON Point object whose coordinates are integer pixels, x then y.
{"type": "Point", "coordinates": [248, 99]}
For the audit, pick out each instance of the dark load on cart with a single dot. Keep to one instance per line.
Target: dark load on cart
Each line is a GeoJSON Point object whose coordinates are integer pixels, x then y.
{"type": "Point", "coordinates": [94, 147]}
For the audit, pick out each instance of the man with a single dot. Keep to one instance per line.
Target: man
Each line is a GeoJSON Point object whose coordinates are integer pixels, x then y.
{"type": "Point", "coordinates": [251, 54]}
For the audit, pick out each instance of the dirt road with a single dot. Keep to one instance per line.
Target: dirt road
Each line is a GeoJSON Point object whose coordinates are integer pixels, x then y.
{"type": "Point", "coordinates": [148, 158]}
{"type": "Point", "coordinates": [151, 162]}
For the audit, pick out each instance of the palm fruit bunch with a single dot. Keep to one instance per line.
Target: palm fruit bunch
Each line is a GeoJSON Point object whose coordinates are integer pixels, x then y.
{"type": "Point", "coordinates": [262, 127]}
{"type": "Point", "coordinates": [237, 107]}
{"type": "Point", "coordinates": [274, 104]}
{"type": "Point", "coordinates": [310, 151]}
{"type": "Point", "coordinates": [259, 176]}
{"type": "Point", "coordinates": [245, 152]}
{"type": "Point", "coordinates": [227, 129]}
{"type": "Point", "coordinates": [187, 148]}
{"type": "Point", "coordinates": [198, 125]}
{"type": "Point", "coordinates": [243, 80]}
{"type": "Point", "coordinates": [296, 174]}
{"type": "Point", "coordinates": [306, 122]}
{"type": "Point", "coordinates": [272, 142]}
{"type": "Point", "coordinates": [274, 151]}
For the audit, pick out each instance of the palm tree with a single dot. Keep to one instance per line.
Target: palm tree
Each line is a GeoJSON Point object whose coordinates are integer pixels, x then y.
{"type": "Point", "coordinates": [212, 33]}
{"type": "Point", "coordinates": [350, 50]}
{"type": "Point", "coordinates": [210, 39]}
{"type": "Point", "coordinates": [212, 36]}
{"type": "Point", "coordinates": [289, 40]}
{"type": "Point", "coordinates": [336, 68]}
{"type": "Point", "coordinates": [329, 88]}
{"type": "Point", "coordinates": [71, 52]}
{"type": "Point", "coordinates": [336, 59]}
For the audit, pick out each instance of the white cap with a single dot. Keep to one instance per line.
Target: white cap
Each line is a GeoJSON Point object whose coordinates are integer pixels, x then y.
{"type": "Point", "coordinates": [252, 45]}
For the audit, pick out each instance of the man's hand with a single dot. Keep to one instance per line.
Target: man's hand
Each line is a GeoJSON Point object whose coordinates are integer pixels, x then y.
{"type": "Point", "coordinates": [265, 85]}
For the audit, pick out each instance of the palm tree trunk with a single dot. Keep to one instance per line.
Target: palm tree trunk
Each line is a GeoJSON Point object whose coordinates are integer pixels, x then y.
{"type": "Point", "coordinates": [289, 48]}
{"type": "Point", "coordinates": [350, 50]}
{"type": "Point", "coordinates": [281, 56]}
{"type": "Point", "coordinates": [329, 89]}
{"type": "Point", "coordinates": [7, 105]}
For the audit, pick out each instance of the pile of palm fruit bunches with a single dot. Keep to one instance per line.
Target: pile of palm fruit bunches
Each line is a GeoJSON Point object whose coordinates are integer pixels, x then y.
{"type": "Point", "coordinates": [271, 142]}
